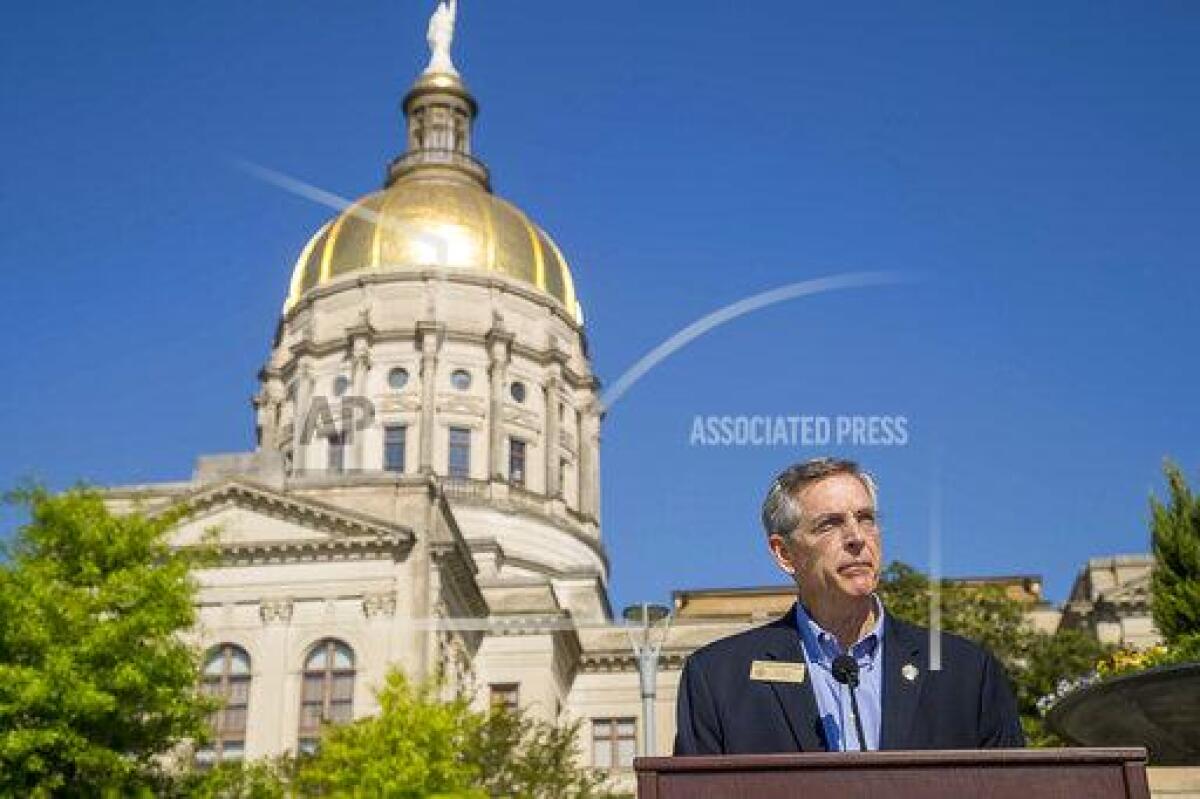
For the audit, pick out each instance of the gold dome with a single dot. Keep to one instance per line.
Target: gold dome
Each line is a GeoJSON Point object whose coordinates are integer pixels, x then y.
{"type": "Point", "coordinates": [436, 210]}
{"type": "Point", "coordinates": [431, 222]}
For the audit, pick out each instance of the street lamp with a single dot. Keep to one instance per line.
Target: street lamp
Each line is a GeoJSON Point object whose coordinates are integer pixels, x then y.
{"type": "Point", "coordinates": [646, 620]}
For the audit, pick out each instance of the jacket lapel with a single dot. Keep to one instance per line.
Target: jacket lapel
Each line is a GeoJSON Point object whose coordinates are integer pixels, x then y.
{"type": "Point", "coordinates": [904, 645]}
{"type": "Point", "coordinates": [798, 700]}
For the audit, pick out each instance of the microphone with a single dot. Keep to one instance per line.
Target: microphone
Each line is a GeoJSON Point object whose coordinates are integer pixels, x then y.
{"type": "Point", "coordinates": [845, 671]}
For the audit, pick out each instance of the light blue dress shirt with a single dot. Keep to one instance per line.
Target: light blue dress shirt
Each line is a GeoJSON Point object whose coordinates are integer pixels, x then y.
{"type": "Point", "coordinates": [833, 698]}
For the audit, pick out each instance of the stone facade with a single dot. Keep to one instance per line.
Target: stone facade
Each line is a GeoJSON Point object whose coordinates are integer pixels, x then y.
{"type": "Point", "coordinates": [384, 567]}
{"type": "Point", "coordinates": [1111, 600]}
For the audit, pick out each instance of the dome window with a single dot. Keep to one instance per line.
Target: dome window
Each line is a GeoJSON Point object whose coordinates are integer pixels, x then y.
{"type": "Point", "coordinates": [517, 389]}
{"type": "Point", "coordinates": [398, 378]}
{"type": "Point", "coordinates": [341, 385]}
{"type": "Point", "coordinates": [460, 379]}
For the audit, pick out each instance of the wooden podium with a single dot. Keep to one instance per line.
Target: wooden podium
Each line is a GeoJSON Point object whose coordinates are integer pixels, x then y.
{"type": "Point", "coordinates": [973, 774]}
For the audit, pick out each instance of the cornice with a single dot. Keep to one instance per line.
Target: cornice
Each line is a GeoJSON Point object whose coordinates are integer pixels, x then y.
{"type": "Point", "coordinates": [421, 275]}
{"type": "Point", "coordinates": [557, 625]}
{"type": "Point", "coordinates": [251, 553]}
{"type": "Point", "coordinates": [458, 565]}
{"type": "Point", "coordinates": [517, 624]}
{"type": "Point", "coordinates": [614, 661]}
{"type": "Point", "coordinates": [531, 507]}
{"type": "Point", "coordinates": [151, 491]}
{"type": "Point", "coordinates": [336, 345]}
{"type": "Point", "coordinates": [305, 510]}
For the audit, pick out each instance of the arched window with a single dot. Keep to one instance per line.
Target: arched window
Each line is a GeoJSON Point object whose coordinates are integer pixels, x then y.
{"type": "Point", "coordinates": [327, 694]}
{"type": "Point", "coordinates": [226, 678]}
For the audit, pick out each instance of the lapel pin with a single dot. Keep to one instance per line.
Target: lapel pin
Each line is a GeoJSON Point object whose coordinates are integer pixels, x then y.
{"type": "Point", "coordinates": [909, 672]}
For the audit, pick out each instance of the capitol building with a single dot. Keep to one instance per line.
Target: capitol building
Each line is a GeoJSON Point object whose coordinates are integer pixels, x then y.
{"type": "Point", "coordinates": [425, 489]}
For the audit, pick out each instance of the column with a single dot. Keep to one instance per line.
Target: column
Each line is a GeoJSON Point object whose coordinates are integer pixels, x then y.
{"type": "Point", "coordinates": [553, 381]}
{"type": "Point", "coordinates": [360, 368]}
{"type": "Point", "coordinates": [589, 460]}
{"type": "Point", "coordinates": [429, 339]}
{"type": "Point", "coordinates": [300, 421]}
{"type": "Point", "coordinates": [499, 344]}
{"type": "Point", "coordinates": [272, 731]}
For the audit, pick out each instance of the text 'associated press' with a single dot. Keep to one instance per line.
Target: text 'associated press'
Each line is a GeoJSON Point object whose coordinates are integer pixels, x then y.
{"type": "Point", "coordinates": [799, 431]}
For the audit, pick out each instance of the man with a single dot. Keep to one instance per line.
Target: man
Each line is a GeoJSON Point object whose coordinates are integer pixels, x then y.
{"type": "Point", "coordinates": [772, 689]}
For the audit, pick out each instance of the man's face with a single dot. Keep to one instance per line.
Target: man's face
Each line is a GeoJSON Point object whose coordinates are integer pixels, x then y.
{"type": "Point", "coordinates": [834, 554]}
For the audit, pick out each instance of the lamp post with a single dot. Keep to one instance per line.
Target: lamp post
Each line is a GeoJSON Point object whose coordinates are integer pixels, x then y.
{"type": "Point", "coordinates": [645, 620]}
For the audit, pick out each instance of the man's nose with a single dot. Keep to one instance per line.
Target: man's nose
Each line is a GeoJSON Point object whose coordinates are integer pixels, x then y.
{"type": "Point", "coordinates": [853, 535]}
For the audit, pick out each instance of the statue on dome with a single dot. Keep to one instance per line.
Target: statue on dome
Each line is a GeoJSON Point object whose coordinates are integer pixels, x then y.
{"type": "Point", "coordinates": [440, 36]}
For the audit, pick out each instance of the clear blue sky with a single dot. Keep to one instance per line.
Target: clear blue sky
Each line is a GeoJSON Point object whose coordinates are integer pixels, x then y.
{"type": "Point", "coordinates": [1036, 162]}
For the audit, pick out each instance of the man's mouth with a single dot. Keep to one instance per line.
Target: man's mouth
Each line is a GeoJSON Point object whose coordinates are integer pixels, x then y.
{"type": "Point", "coordinates": [856, 568]}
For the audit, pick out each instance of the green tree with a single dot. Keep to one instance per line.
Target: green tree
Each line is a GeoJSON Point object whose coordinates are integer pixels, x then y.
{"type": "Point", "coordinates": [521, 756]}
{"type": "Point", "coordinates": [268, 778]}
{"type": "Point", "coordinates": [982, 613]}
{"type": "Point", "coordinates": [415, 747]}
{"type": "Point", "coordinates": [96, 685]}
{"type": "Point", "coordinates": [420, 745]}
{"type": "Point", "coordinates": [1035, 661]}
{"type": "Point", "coordinates": [1175, 537]}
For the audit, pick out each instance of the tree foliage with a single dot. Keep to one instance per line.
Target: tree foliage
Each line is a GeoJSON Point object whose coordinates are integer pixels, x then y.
{"type": "Point", "coordinates": [1175, 537]}
{"type": "Point", "coordinates": [1048, 660]}
{"type": "Point", "coordinates": [983, 613]}
{"type": "Point", "coordinates": [95, 683]}
{"type": "Point", "coordinates": [415, 747]}
{"type": "Point", "coordinates": [266, 778]}
{"type": "Point", "coordinates": [1036, 661]}
{"type": "Point", "coordinates": [420, 745]}
{"type": "Point", "coordinates": [520, 756]}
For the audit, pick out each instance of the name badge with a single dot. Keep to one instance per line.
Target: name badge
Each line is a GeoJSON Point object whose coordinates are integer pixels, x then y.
{"type": "Point", "coordinates": [776, 671]}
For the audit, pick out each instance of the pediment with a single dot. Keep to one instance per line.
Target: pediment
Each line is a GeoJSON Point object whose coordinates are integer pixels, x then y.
{"type": "Point", "coordinates": [244, 514]}
{"type": "Point", "coordinates": [231, 524]}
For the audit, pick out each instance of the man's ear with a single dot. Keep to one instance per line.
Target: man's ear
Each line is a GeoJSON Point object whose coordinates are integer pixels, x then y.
{"type": "Point", "coordinates": [780, 552]}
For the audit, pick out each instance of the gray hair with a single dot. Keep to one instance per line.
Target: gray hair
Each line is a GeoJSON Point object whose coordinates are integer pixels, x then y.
{"type": "Point", "coordinates": [781, 511]}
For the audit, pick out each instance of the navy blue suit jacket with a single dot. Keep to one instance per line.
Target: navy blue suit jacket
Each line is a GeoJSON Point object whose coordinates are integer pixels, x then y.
{"type": "Point", "coordinates": [967, 704]}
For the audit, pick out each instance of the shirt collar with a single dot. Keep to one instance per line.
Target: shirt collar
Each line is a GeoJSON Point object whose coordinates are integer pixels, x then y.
{"type": "Point", "coordinates": [821, 646]}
